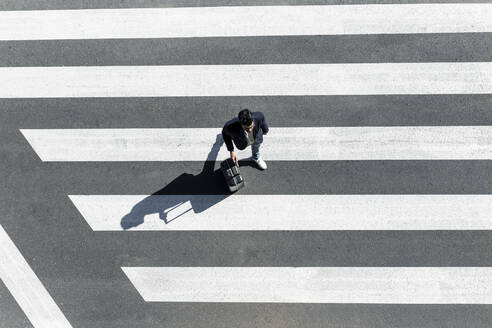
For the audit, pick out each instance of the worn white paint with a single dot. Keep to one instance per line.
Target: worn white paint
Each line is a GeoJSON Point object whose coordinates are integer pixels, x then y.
{"type": "Point", "coordinates": [280, 144]}
{"type": "Point", "coordinates": [233, 21]}
{"type": "Point", "coordinates": [285, 212]}
{"type": "Point", "coordinates": [388, 285]}
{"type": "Point", "coordinates": [246, 80]}
{"type": "Point", "coordinates": [26, 288]}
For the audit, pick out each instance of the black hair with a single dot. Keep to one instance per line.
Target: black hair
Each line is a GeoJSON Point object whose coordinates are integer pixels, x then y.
{"type": "Point", "coordinates": [245, 117]}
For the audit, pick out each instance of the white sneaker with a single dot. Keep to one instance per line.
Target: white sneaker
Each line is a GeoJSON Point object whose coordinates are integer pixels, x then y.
{"type": "Point", "coordinates": [261, 163]}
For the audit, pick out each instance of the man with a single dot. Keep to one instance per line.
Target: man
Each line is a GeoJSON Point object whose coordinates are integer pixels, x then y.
{"type": "Point", "coordinates": [246, 129]}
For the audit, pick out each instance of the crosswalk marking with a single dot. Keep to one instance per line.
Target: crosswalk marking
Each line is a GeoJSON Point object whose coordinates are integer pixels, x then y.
{"type": "Point", "coordinates": [284, 144]}
{"type": "Point", "coordinates": [246, 80]}
{"type": "Point", "coordinates": [25, 32]}
{"type": "Point", "coordinates": [285, 212]}
{"type": "Point", "coordinates": [26, 287]}
{"type": "Point", "coordinates": [245, 21]}
{"type": "Point", "coordinates": [377, 285]}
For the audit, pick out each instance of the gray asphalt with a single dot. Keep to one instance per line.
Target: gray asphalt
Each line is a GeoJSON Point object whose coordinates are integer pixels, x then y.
{"type": "Point", "coordinates": [81, 268]}
{"type": "Point", "coordinates": [250, 50]}
{"type": "Point", "coordinates": [10, 313]}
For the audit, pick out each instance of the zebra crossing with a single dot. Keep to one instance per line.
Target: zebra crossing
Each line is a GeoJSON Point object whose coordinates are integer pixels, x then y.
{"type": "Point", "coordinates": [247, 80]}
{"type": "Point", "coordinates": [178, 210]}
{"type": "Point", "coordinates": [313, 285]}
{"type": "Point", "coordinates": [26, 288]}
{"type": "Point", "coordinates": [285, 212]}
{"type": "Point", "coordinates": [229, 21]}
{"type": "Point", "coordinates": [314, 144]}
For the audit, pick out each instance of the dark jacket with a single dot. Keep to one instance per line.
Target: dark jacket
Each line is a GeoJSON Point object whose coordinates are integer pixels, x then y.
{"type": "Point", "coordinates": [233, 131]}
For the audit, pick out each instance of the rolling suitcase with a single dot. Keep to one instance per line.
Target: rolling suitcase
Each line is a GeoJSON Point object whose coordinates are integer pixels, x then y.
{"type": "Point", "coordinates": [233, 177]}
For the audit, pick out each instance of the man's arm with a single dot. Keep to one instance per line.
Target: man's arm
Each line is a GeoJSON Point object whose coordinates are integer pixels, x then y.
{"type": "Point", "coordinates": [227, 139]}
{"type": "Point", "coordinates": [264, 125]}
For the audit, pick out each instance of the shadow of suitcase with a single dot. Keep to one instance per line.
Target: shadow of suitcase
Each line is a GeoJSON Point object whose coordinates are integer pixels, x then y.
{"type": "Point", "coordinates": [232, 176]}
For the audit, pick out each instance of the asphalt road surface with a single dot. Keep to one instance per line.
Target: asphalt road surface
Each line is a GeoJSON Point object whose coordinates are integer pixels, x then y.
{"type": "Point", "coordinates": [385, 222]}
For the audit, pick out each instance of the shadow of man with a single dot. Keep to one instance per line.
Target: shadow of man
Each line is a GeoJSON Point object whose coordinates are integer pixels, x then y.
{"type": "Point", "coordinates": [185, 193]}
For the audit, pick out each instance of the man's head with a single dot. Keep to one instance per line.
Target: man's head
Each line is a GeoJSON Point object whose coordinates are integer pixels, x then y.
{"type": "Point", "coordinates": [246, 119]}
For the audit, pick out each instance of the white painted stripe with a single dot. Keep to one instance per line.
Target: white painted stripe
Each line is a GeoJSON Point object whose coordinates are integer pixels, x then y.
{"type": "Point", "coordinates": [280, 144]}
{"type": "Point", "coordinates": [245, 21]}
{"type": "Point", "coordinates": [26, 287]}
{"type": "Point", "coordinates": [285, 212]}
{"type": "Point", "coordinates": [388, 285]}
{"type": "Point", "coordinates": [246, 80]}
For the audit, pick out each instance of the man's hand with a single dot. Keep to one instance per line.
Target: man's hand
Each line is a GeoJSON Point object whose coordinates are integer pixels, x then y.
{"type": "Point", "coordinates": [265, 133]}
{"type": "Point", "coordinates": [233, 156]}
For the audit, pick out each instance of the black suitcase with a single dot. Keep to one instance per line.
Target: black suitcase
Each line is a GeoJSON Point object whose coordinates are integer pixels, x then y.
{"type": "Point", "coordinates": [231, 173]}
